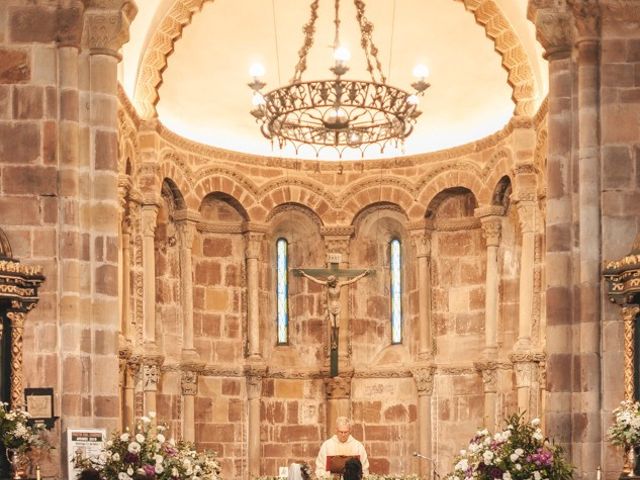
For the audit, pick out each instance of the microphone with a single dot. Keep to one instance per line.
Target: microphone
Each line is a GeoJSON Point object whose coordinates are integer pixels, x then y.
{"type": "Point", "coordinates": [419, 455]}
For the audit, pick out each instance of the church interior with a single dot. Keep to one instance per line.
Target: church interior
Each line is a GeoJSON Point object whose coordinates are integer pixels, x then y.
{"type": "Point", "coordinates": [159, 237]}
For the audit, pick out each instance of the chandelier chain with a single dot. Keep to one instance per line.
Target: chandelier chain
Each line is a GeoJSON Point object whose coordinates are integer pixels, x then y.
{"type": "Point", "coordinates": [309, 30]}
{"type": "Point", "coordinates": [336, 21]}
{"type": "Point", "coordinates": [370, 49]}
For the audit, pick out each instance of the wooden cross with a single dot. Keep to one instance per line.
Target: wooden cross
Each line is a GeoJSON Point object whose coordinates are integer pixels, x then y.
{"type": "Point", "coordinates": [329, 277]}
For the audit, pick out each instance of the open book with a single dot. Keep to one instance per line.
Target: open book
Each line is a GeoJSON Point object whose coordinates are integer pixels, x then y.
{"type": "Point", "coordinates": [335, 463]}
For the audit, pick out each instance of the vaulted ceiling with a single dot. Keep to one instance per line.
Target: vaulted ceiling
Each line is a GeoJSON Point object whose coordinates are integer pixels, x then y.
{"type": "Point", "coordinates": [187, 62]}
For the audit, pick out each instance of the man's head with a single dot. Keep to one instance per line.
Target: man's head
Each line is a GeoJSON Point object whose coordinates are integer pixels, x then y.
{"type": "Point", "coordinates": [343, 428]}
{"type": "Point", "coordinates": [332, 280]}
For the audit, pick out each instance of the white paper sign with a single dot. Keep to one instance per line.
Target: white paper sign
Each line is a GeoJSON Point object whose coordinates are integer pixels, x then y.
{"type": "Point", "coordinates": [89, 442]}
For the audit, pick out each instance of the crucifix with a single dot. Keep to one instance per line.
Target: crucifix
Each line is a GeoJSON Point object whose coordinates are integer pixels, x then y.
{"type": "Point", "coordinates": [329, 277]}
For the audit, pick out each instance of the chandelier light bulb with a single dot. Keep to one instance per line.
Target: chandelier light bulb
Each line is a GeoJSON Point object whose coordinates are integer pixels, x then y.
{"type": "Point", "coordinates": [257, 70]}
{"type": "Point", "coordinates": [342, 54]}
{"type": "Point", "coordinates": [258, 100]}
{"type": "Point", "coordinates": [413, 99]}
{"type": "Point", "coordinates": [421, 71]}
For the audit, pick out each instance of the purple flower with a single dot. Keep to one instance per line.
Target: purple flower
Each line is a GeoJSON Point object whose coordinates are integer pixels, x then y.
{"type": "Point", "coordinates": [130, 457]}
{"type": "Point", "coordinates": [149, 470]}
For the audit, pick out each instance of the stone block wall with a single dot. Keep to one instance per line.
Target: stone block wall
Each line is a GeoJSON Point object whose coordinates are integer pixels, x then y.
{"type": "Point", "coordinates": [385, 415]}
{"type": "Point", "coordinates": [220, 422]}
{"type": "Point", "coordinates": [292, 419]}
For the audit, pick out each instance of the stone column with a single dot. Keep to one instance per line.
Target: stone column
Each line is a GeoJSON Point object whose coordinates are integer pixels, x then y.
{"type": "Point", "coordinates": [338, 391]}
{"type": "Point", "coordinates": [491, 220]}
{"type": "Point", "coordinates": [106, 29]}
{"type": "Point", "coordinates": [132, 369]}
{"type": "Point", "coordinates": [17, 379]}
{"type": "Point", "coordinates": [336, 240]}
{"type": "Point", "coordinates": [489, 372]}
{"type": "Point", "coordinates": [124, 185]}
{"type": "Point", "coordinates": [150, 379]}
{"type": "Point", "coordinates": [148, 217]}
{"type": "Point", "coordinates": [254, 376]}
{"type": "Point", "coordinates": [253, 238]}
{"type": "Point", "coordinates": [526, 366]}
{"type": "Point", "coordinates": [554, 31]}
{"type": "Point", "coordinates": [186, 226]}
{"type": "Point", "coordinates": [422, 241]}
{"type": "Point", "coordinates": [527, 209]}
{"type": "Point", "coordinates": [424, 378]}
{"type": "Point", "coordinates": [189, 384]}
{"type": "Point", "coordinates": [588, 375]}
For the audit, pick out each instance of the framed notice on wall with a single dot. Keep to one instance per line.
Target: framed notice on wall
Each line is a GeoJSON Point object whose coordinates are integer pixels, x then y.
{"type": "Point", "coordinates": [87, 442]}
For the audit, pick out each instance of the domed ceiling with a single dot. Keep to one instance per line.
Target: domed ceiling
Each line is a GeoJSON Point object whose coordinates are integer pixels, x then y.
{"type": "Point", "coordinates": [187, 62]}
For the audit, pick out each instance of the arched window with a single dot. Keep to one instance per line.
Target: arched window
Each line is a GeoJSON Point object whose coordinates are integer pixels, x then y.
{"type": "Point", "coordinates": [395, 266]}
{"type": "Point", "coordinates": [282, 290]}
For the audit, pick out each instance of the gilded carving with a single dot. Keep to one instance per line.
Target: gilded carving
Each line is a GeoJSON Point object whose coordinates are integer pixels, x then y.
{"type": "Point", "coordinates": [17, 382]}
{"type": "Point", "coordinates": [629, 314]}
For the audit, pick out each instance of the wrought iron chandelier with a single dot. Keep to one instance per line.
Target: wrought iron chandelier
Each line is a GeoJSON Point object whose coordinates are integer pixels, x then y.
{"type": "Point", "coordinates": [337, 113]}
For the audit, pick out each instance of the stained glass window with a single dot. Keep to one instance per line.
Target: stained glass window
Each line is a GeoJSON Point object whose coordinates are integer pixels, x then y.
{"type": "Point", "coordinates": [396, 290]}
{"type": "Point", "coordinates": [282, 290]}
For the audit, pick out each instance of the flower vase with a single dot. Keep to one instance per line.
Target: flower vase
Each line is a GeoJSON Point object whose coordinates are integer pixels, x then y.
{"type": "Point", "coordinates": [16, 461]}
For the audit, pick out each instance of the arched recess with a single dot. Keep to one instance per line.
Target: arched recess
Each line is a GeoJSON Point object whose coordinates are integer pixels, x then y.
{"type": "Point", "coordinates": [370, 334]}
{"type": "Point", "coordinates": [168, 304]}
{"type": "Point", "coordinates": [458, 273]}
{"type": "Point", "coordinates": [300, 227]}
{"type": "Point", "coordinates": [486, 12]}
{"type": "Point", "coordinates": [219, 305]}
{"type": "Point", "coordinates": [445, 181]}
{"type": "Point", "coordinates": [298, 191]}
{"type": "Point", "coordinates": [308, 343]}
{"type": "Point", "coordinates": [376, 191]}
{"type": "Point", "coordinates": [172, 166]}
{"type": "Point", "coordinates": [232, 184]}
{"type": "Point", "coordinates": [375, 226]}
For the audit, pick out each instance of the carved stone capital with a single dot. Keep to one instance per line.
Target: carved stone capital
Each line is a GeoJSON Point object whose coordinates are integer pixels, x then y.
{"type": "Point", "coordinates": [150, 377]}
{"type": "Point", "coordinates": [421, 239]}
{"type": "Point", "coordinates": [527, 215]}
{"type": "Point", "coordinates": [254, 374]}
{"type": "Point", "coordinates": [107, 26]}
{"type": "Point", "coordinates": [338, 387]}
{"type": "Point", "coordinates": [186, 233]}
{"type": "Point", "coordinates": [489, 372]}
{"type": "Point", "coordinates": [586, 14]}
{"type": "Point", "coordinates": [525, 373]}
{"type": "Point", "coordinates": [491, 228]}
{"type": "Point", "coordinates": [189, 382]}
{"type": "Point", "coordinates": [554, 31]}
{"type": "Point", "coordinates": [424, 378]}
{"type": "Point", "coordinates": [149, 217]}
{"type": "Point", "coordinates": [253, 244]}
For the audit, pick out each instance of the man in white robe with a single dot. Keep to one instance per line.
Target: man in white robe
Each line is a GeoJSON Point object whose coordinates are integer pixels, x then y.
{"type": "Point", "coordinates": [342, 443]}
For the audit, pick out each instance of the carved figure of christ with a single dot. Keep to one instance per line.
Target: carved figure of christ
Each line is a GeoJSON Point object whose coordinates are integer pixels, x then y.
{"type": "Point", "coordinates": [334, 285]}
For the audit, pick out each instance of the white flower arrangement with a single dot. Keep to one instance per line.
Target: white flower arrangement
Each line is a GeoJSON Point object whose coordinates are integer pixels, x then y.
{"type": "Point", "coordinates": [625, 430]}
{"type": "Point", "coordinates": [149, 455]}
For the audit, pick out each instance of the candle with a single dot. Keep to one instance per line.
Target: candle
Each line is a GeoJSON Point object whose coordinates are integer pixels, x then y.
{"type": "Point", "coordinates": [598, 473]}
{"type": "Point", "coordinates": [38, 477]}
